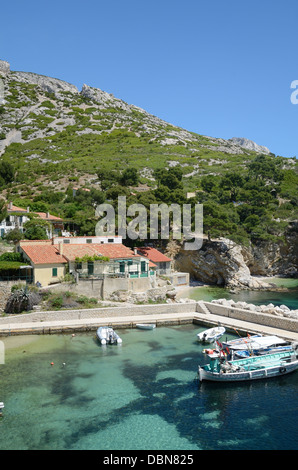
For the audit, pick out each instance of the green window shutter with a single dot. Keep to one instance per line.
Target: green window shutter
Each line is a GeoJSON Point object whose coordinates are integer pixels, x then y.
{"type": "Point", "coordinates": [54, 272]}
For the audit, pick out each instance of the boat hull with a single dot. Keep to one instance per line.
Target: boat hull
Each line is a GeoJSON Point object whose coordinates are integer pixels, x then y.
{"type": "Point", "coordinates": [211, 335]}
{"type": "Point", "coordinates": [145, 326]}
{"type": "Point", "coordinates": [107, 335]}
{"type": "Point", "coordinates": [265, 373]}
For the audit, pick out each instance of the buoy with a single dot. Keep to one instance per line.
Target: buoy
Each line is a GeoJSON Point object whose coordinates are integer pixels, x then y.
{"type": "Point", "coordinates": [52, 363]}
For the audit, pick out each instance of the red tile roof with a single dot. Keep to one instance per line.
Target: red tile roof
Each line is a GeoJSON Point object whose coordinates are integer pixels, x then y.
{"type": "Point", "coordinates": [113, 251]}
{"type": "Point", "coordinates": [49, 254]}
{"type": "Point", "coordinates": [46, 216]}
{"type": "Point", "coordinates": [153, 254]}
{"type": "Point", "coordinates": [13, 208]}
{"type": "Point", "coordinates": [43, 254]}
{"type": "Point", "coordinates": [42, 215]}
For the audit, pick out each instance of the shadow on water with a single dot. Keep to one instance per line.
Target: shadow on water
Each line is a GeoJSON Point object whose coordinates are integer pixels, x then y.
{"type": "Point", "coordinates": [208, 415]}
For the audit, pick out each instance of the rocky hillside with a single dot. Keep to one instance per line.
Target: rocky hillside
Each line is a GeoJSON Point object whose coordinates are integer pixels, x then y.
{"type": "Point", "coordinates": [46, 121]}
{"type": "Point", "coordinates": [56, 138]}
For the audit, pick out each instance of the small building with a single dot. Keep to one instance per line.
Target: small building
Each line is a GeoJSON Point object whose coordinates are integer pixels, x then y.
{"type": "Point", "coordinates": [162, 262]}
{"type": "Point", "coordinates": [17, 217]}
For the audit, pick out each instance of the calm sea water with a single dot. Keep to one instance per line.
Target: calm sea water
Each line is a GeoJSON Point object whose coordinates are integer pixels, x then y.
{"type": "Point", "coordinates": [142, 395]}
{"type": "Point", "coordinates": [289, 298]}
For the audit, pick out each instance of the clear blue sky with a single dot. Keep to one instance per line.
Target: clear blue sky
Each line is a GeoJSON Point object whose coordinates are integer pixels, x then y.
{"type": "Point", "coordinates": [219, 68]}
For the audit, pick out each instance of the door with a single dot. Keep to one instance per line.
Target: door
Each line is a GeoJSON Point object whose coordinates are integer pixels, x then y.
{"type": "Point", "coordinates": [90, 268]}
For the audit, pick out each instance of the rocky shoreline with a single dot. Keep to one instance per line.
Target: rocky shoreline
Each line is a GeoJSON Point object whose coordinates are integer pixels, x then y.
{"type": "Point", "coordinates": [280, 311]}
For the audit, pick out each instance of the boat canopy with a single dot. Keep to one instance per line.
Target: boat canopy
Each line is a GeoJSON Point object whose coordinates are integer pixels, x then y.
{"type": "Point", "coordinates": [256, 343]}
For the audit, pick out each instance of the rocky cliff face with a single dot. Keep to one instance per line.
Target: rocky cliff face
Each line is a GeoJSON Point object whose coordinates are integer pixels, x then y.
{"type": "Point", "coordinates": [26, 91]}
{"type": "Point", "coordinates": [269, 259]}
{"type": "Point", "coordinates": [224, 263]}
{"type": "Point", "coordinates": [249, 145]}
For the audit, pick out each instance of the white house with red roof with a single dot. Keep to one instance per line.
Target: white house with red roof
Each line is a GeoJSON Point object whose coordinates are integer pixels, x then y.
{"type": "Point", "coordinates": [17, 216]}
{"type": "Point", "coordinates": [162, 262]}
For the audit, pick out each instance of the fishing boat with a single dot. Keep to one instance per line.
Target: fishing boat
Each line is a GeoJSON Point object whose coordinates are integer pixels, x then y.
{"type": "Point", "coordinates": [146, 326]}
{"type": "Point", "coordinates": [256, 343]}
{"type": "Point", "coordinates": [211, 335]}
{"type": "Point", "coordinates": [106, 335]}
{"type": "Point", "coordinates": [259, 352]}
{"type": "Point", "coordinates": [250, 368]}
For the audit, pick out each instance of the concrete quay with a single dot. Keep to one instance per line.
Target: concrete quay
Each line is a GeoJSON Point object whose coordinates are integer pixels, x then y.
{"type": "Point", "coordinates": [200, 313]}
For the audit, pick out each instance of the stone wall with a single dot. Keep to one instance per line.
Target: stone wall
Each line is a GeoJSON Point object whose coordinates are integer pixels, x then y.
{"type": "Point", "coordinates": [78, 314]}
{"type": "Point", "coordinates": [273, 321]}
{"type": "Point", "coordinates": [104, 288]}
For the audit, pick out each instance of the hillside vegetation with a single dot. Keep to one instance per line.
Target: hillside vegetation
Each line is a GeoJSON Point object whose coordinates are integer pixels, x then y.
{"type": "Point", "coordinates": [54, 138]}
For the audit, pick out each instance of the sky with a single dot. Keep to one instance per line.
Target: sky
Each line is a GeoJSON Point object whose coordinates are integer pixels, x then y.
{"type": "Point", "coordinates": [214, 67]}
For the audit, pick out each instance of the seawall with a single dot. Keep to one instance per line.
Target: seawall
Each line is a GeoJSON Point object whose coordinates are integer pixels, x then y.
{"type": "Point", "coordinates": [201, 313]}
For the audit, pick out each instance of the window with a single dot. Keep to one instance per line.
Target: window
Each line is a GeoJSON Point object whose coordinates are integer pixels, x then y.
{"type": "Point", "coordinates": [110, 240]}
{"type": "Point", "coordinates": [78, 265]}
{"type": "Point", "coordinates": [89, 240]}
{"type": "Point", "coordinates": [66, 241]}
{"type": "Point", "coordinates": [54, 272]}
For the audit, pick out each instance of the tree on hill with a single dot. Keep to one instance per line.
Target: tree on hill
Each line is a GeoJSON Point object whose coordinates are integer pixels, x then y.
{"type": "Point", "coordinates": [36, 229]}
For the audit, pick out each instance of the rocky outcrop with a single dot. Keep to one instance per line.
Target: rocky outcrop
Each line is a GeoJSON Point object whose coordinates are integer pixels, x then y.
{"type": "Point", "coordinates": [249, 145]}
{"type": "Point", "coordinates": [4, 67]}
{"type": "Point", "coordinates": [158, 294]}
{"type": "Point", "coordinates": [280, 311]}
{"type": "Point", "coordinates": [219, 262]}
{"type": "Point", "coordinates": [48, 84]}
{"type": "Point", "coordinates": [274, 258]}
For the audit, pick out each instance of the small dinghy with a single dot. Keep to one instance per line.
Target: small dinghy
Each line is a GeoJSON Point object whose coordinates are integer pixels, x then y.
{"type": "Point", "coordinates": [146, 326]}
{"type": "Point", "coordinates": [106, 335]}
{"type": "Point", "coordinates": [211, 335]}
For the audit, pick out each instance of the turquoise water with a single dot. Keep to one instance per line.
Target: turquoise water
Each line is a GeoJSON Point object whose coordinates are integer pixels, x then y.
{"type": "Point", "coordinates": [289, 298]}
{"type": "Point", "coordinates": [141, 395]}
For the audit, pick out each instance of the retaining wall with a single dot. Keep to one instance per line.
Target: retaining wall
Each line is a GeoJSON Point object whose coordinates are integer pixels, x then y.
{"type": "Point", "coordinates": [99, 312]}
{"type": "Point", "coordinates": [88, 318]}
{"type": "Point", "coordinates": [274, 321]}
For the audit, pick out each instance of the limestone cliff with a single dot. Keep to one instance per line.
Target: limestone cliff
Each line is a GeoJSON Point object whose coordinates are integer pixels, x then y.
{"type": "Point", "coordinates": [224, 263]}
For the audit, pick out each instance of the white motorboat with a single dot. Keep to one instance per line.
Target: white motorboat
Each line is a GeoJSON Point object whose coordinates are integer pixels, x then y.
{"type": "Point", "coordinates": [211, 335]}
{"type": "Point", "coordinates": [1, 407]}
{"type": "Point", "coordinates": [255, 343]}
{"type": "Point", "coordinates": [106, 335]}
{"type": "Point", "coordinates": [146, 326]}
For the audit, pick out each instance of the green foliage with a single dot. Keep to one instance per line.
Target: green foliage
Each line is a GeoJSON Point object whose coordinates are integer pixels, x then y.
{"type": "Point", "coordinates": [14, 235]}
{"type": "Point", "coordinates": [35, 229]}
{"type": "Point", "coordinates": [87, 258]}
{"type": "Point", "coordinates": [7, 172]}
{"type": "Point", "coordinates": [246, 197]}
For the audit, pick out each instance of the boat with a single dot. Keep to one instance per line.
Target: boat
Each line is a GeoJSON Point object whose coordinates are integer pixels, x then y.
{"type": "Point", "coordinates": [146, 326]}
{"type": "Point", "coordinates": [106, 335]}
{"type": "Point", "coordinates": [1, 407]}
{"type": "Point", "coordinates": [258, 352]}
{"type": "Point", "coordinates": [256, 343]}
{"type": "Point", "coordinates": [211, 335]}
{"type": "Point", "coordinates": [250, 368]}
